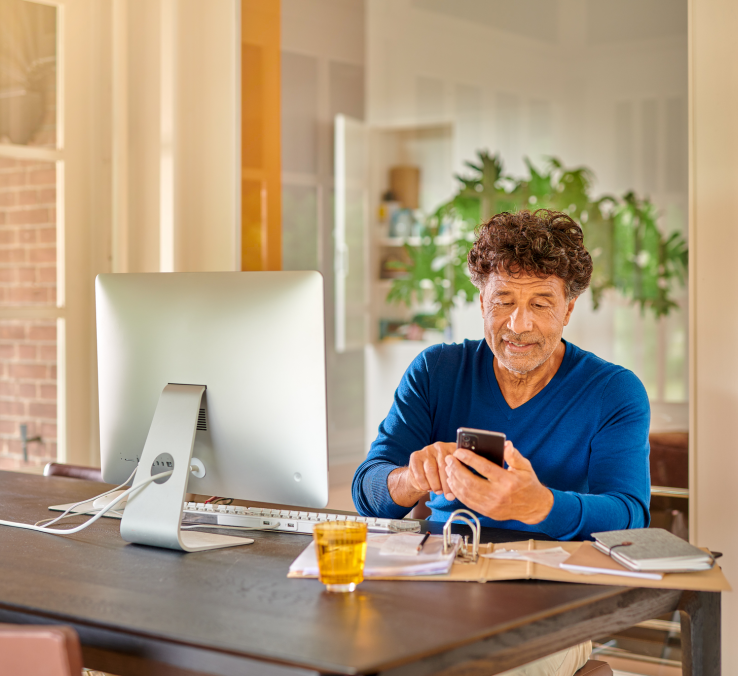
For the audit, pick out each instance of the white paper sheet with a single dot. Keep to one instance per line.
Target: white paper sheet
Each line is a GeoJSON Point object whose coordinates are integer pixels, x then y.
{"type": "Point", "coordinates": [429, 561]}
{"type": "Point", "coordinates": [553, 557]}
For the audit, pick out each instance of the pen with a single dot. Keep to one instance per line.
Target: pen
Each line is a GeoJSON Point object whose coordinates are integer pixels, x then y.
{"type": "Point", "coordinates": [423, 541]}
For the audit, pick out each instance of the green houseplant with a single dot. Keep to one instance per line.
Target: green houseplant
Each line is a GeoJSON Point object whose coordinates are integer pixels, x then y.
{"type": "Point", "coordinates": [629, 252]}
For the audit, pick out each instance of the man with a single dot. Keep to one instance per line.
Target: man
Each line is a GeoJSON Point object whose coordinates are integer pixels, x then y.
{"type": "Point", "coordinates": [577, 426]}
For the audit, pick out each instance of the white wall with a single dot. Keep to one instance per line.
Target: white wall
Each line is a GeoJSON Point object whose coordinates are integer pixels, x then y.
{"type": "Point", "coordinates": [322, 75]}
{"type": "Point", "coordinates": [113, 111]}
{"type": "Point", "coordinates": [594, 84]}
{"type": "Point", "coordinates": [714, 303]}
{"type": "Point", "coordinates": [182, 98]}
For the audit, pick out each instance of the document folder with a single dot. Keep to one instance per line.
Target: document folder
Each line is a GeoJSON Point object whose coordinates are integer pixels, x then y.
{"type": "Point", "coordinates": [492, 570]}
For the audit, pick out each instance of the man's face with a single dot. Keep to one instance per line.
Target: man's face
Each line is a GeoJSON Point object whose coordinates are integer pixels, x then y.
{"type": "Point", "coordinates": [524, 317]}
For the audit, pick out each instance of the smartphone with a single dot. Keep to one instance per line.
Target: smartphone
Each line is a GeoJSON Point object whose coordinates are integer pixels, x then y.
{"type": "Point", "coordinates": [490, 445]}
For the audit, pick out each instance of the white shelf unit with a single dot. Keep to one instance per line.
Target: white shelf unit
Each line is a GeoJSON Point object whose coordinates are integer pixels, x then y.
{"type": "Point", "coordinates": [429, 147]}
{"type": "Point", "coordinates": [364, 156]}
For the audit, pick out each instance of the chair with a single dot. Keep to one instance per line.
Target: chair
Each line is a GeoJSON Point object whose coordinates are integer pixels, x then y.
{"type": "Point", "coordinates": [39, 651]}
{"type": "Point", "coordinates": [73, 471]}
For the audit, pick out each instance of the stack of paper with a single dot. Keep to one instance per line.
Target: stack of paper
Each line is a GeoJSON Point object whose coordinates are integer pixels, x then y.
{"type": "Point", "coordinates": [382, 562]}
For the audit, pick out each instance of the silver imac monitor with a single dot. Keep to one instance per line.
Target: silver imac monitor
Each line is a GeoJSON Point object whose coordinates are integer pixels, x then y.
{"type": "Point", "coordinates": [251, 346]}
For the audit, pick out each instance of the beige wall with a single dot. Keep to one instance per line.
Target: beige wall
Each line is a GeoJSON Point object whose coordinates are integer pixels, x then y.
{"type": "Point", "coordinates": [115, 141]}
{"type": "Point", "coordinates": [714, 293]}
{"type": "Point", "coordinates": [181, 95]}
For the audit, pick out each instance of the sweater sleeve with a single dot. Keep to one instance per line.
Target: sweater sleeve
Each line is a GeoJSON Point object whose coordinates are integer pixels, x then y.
{"type": "Point", "coordinates": [619, 476]}
{"type": "Point", "coordinates": [407, 428]}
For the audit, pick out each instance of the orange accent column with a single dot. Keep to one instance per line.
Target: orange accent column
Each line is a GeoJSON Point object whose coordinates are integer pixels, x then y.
{"type": "Point", "coordinates": [261, 162]}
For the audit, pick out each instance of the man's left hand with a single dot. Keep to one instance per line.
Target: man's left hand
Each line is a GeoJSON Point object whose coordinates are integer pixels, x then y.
{"type": "Point", "coordinates": [512, 493]}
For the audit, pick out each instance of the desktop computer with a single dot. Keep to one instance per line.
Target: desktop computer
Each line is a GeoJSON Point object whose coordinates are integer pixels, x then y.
{"type": "Point", "coordinates": [219, 378]}
{"type": "Point", "coordinates": [211, 383]}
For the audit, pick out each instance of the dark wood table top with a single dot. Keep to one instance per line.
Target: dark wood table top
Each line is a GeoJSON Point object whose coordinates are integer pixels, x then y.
{"type": "Point", "coordinates": [239, 603]}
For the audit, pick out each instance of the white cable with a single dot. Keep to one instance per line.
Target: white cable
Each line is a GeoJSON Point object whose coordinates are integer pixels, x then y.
{"type": "Point", "coordinates": [52, 521]}
{"type": "Point", "coordinates": [89, 522]}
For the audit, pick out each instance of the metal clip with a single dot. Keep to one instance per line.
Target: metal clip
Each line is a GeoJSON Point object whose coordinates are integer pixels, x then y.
{"type": "Point", "coordinates": [463, 554]}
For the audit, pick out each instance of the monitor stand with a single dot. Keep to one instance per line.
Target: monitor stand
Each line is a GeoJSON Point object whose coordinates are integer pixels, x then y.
{"type": "Point", "coordinates": [153, 514]}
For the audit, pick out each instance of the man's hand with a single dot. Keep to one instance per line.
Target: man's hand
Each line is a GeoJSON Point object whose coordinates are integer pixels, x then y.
{"type": "Point", "coordinates": [514, 493]}
{"type": "Point", "coordinates": [425, 472]}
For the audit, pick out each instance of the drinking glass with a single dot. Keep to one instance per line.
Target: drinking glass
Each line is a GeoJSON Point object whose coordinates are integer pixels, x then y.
{"type": "Point", "coordinates": [341, 547]}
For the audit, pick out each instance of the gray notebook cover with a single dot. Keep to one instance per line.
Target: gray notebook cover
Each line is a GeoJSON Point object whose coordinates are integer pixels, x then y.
{"type": "Point", "coordinates": [648, 543]}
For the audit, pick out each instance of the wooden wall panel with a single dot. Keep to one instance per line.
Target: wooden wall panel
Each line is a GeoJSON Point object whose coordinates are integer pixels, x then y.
{"type": "Point", "coordinates": [261, 227]}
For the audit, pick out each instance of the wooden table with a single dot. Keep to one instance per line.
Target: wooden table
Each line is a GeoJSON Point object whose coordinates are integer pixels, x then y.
{"type": "Point", "coordinates": [141, 610]}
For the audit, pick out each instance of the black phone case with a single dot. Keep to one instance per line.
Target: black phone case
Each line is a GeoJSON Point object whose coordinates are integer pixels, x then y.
{"type": "Point", "coordinates": [489, 445]}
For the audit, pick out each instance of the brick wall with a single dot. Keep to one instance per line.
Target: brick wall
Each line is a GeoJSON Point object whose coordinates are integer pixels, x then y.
{"type": "Point", "coordinates": [27, 278]}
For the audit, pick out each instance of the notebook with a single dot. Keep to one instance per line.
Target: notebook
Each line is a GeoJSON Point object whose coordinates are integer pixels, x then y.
{"type": "Point", "coordinates": [652, 550]}
{"type": "Point", "coordinates": [589, 561]}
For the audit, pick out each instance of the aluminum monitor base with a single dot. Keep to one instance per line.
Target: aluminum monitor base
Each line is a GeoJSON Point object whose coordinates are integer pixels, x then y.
{"type": "Point", "coordinates": [153, 514]}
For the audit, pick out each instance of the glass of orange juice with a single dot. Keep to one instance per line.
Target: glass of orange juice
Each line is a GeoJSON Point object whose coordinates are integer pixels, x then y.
{"type": "Point", "coordinates": [341, 547]}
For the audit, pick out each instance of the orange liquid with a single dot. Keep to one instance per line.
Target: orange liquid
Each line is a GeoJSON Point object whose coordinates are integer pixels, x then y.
{"type": "Point", "coordinates": [341, 552]}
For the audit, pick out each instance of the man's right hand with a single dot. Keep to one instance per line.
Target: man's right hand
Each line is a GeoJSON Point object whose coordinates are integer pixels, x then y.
{"type": "Point", "coordinates": [426, 472]}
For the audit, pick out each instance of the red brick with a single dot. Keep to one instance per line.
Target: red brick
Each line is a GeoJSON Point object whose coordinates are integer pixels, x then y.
{"type": "Point", "coordinates": [13, 331]}
{"type": "Point", "coordinates": [7, 274]}
{"type": "Point", "coordinates": [28, 235]}
{"type": "Point", "coordinates": [14, 446]}
{"type": "Point", "coordinates": [3, 217]}
{"type": "Point", "coordinates": [37, 453]}
{"type": "Point", "coordinates": [7, 388]}
{"type": "Point", "coordinates": [29, 295]}
{"type": "Point", "coordinates": [48, 392]}
{"type": "Point", "coordinates": [47, 196]}
{"type": "Point", "coordinates": [42, 177]}
{"type": "Point", "coordinates": [7, 198]}
{"type": "Point", "coordinates": [28, 197]}
{"type": "Point", "coordinates": [48, 431]}
{"type": "Point", "coordinates": [27, 390]}
{"type": "Point", "coordinates": [42, 333]}
{"type": "Point", "coordinates": [11, 408]}
{"type": "Point", "coordinates": [27, 275]}
{"type": "Point", "coordinates": [47, 235]}
{"type": "Point", "coordinates": [9, 463]}
{"type": "Point", "coordinates": [29, 216]}
{"type": "Point", "coordinates": [8, 427]}
{"type": "Point", "coordinates": [27, 352]}
{"type": "Point", "coordinates": [52, 372]}
{"type": "Point", "coordinates": [12, 179]}
{"type": "Point", "coordinates": [7, 351]}
{"type": "Point", "coordinates": [38, 410]}
{"type": "Point", "coordinates": [47, 352]}
{"type": "Point", "coordinates": [28, 371]}
{"type": "Point", "coordinates": [14, 255]}
{"type": "Point", "coordinates": [43, 255]}
{"type": "Point", "coordinates": [7, 162]}
{"type": "Point", "coordinates": [7, 237]}
{"type": "Point", "coordinates": [46, 274]}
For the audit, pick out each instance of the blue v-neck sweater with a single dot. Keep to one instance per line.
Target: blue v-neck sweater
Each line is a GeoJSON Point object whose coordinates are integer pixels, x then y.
{"type": "Point", "coordinates": [585, 433]}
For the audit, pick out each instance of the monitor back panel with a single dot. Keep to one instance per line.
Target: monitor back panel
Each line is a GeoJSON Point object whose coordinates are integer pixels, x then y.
{"type": "Point", "coordinates": [256, 340]}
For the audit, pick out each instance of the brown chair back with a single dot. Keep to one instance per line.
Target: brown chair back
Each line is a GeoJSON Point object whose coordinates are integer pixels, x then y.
{"type": "Point", "coordinates": [39, 651]}
{"type": "Point", "coordinates": [73, 471]}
